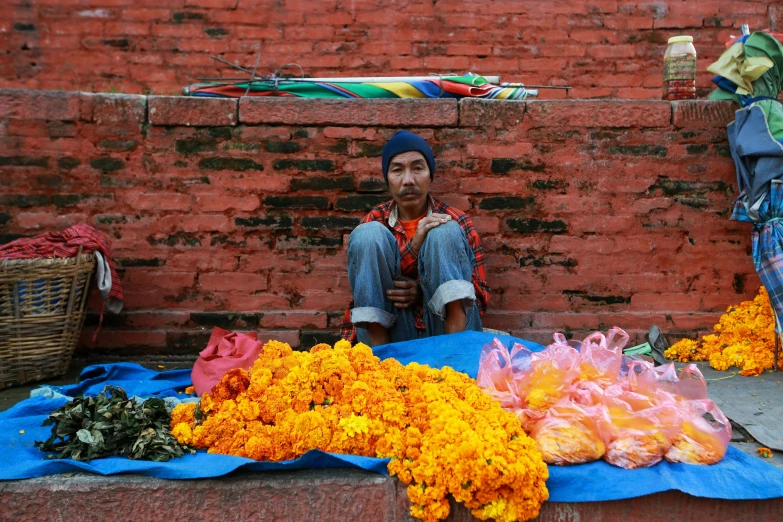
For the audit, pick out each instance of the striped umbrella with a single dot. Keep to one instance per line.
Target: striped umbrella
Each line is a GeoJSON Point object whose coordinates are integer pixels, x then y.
{"type": "Point", "coordinates": [466, 86]}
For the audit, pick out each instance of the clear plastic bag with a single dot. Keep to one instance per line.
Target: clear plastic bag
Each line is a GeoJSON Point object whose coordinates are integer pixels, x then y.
{"type": "Point", "coordinates": [571, 433]}
{"type": "Point", "coordinates": [704, 436]}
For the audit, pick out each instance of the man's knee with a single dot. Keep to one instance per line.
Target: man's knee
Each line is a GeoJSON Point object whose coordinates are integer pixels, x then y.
{"type": "Point", "coordinates": [372, 234]}
{"type": "Point", "coordinates": [447, 235]}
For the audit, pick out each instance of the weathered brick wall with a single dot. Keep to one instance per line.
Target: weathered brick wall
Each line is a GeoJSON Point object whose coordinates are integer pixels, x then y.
{"type": "Point", "coordinates": [235, 213]}
{"type": "Point", "coordinates": [604, 48]}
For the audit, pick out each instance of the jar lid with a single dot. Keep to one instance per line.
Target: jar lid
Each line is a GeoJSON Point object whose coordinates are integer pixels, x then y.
{"type": "Point", "coordinates": [680, 39]}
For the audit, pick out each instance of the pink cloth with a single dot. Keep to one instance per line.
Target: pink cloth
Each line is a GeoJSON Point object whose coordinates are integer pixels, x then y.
{"type": "Point", "coordinates": [225, 351]}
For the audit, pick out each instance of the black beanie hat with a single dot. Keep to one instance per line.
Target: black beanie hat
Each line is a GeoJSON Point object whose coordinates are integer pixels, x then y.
{"type": "Point", "coordinates": [404, 141]}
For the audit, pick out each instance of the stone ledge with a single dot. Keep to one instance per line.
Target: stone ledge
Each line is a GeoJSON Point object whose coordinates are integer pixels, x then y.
{"type": "Point", "coordinates": [184, 110]}
{"type": "Point", "coordinates": [589, 113]}
{"type": "Point", "coordinates": [333, 494]}
{"type": "Point", "coordinates": [114, 109]}
{"type": "Point", "coordinates": [703, 113]}
{"type": "Point", "coordinates": [385, 113]}
{"type": "Point", "coordinates": [118, 109]}
{"type": "Point", "coordinates": [25, 104]}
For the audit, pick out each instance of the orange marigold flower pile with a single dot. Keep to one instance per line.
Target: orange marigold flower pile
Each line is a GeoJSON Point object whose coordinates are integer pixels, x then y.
{"type": "Point", "coordinates": [444, 436]}
{"type": "Point", "coordinates": [744, 337]}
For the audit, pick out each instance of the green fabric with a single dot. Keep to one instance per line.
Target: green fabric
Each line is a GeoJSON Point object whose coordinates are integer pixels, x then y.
{"type": "Point", "coordinates": [771, 82]}
{"type": "Point", "coordinates": [774, 113]}
{"type": "Point", "coordinates": [722, 94]}
{"type": "Point", "coordinates": [642, 349]}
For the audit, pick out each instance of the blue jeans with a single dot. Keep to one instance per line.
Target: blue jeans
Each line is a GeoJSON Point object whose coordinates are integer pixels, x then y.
{"type": "Point", "coordinates": [445, 270]}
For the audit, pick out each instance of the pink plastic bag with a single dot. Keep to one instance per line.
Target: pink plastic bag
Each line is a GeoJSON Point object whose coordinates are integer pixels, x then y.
{"type": "Point", "coordinates": [550, 375]}
{"type": "Point", "coordinates": [498, 370]}
{"type": "Point", "coordinates": [705, 434]}
{"type": "Point", "coordinates": [601, 357]}
{"type": "Point", "coordinates": [225, 351]}
{"type": "Point", "coordinates": [647, 379]}
{"type": "Point", "coordinates": [572, 433]}
{"type": "Point", "coordinates": [642, 429]}
{"type": "Point", "coordinates": [692, 385]}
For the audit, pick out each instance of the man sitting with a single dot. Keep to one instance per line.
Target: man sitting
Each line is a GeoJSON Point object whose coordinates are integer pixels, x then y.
{"type": "Point", "coordinates": [415, 264]}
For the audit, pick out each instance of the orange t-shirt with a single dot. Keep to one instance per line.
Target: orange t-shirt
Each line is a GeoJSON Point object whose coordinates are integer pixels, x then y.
{"type": "Point", "coordinates": [411, 226]}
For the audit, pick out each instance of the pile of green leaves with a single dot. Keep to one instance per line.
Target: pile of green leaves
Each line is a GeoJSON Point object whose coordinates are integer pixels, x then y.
{"type": "Point", "coordinates": [112, 424]}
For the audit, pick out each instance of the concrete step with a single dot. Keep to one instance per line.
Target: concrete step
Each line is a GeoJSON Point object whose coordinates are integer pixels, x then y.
{"type": "Point", "coordinates": [311, 495]}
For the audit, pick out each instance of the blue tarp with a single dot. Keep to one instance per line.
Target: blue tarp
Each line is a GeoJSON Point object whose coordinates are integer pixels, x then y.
{"type": "Point", "coordinates": [737, 477]}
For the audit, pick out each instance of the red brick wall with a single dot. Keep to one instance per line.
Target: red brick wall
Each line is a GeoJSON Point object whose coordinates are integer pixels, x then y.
{"type": "Point", "coordinates": [603, 48]}
{"type": "Point", "coordinates": [592, 213]}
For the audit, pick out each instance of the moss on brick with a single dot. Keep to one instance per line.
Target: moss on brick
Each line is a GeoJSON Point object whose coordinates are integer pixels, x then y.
{"type": "Point", "coordinates": [344, 183]}
{"type": "Point", "coordinates": [276, 222]}
{"type": "Point", "coordinates": [70, 200]}
{"type": "Point", "coordinates": [110, 219]}
{"type": "Point", "coordinates": [372, 185]}
{"type": "Point", "coordinates": [107, 164]}
{"type": "Point", "coordinates": [530, 226]}
{"type": "Point", "coordinates": [215, 32]}
{"type": "Point", "coordinates": [658, 151]}
{"type": "Point", "coordinates": [225, 133]}
{"type": "Point", "coordinates": [51, 180]}
{"type": "Point", "coordinates": [127, 262]}
{"type": "Point", "coordinates": [696, 148]}
{"type": "Point", "coordinates": [224, 319]}
{"type": "Point", "coordinates": [369, 150]}
{"type": "Point", "coordinates": [23, 161]}
{"type": "Point", "coordinates": [180, 17]}
{"type": "Point", "coordinates": [549, 184]}
{"type": "Point", "coordinates": [24, 200]}
{"type": "Point", "coordinates": [123, 145]}
{"type": "Point", "coordinates": [365, 202]}
{"type": "Point", "coordinates": [68, 163]}
{"type": "Point", "coordinates": [319, 202]}
{"type": "Point", "coordinates": [227, 163]}
{"type": "Point", "coordinates": [506, 165]}
{"type": "Point", "coordinates": [305, 165]}
{"type": "Point", "coordinates": [506, 202]}
{"type": "Point", "coordinates": [547, 260]}
{"type": "Point", "coordinates": [329, 223]}
{"type": "Point", "coordinates": [598, 299]}
{"type": "Point", "coordinates": [195, 146]}
{"type": "Point", "coordinates": [179, 239]}
{"type": "Point", "coordinates": [281, 147]}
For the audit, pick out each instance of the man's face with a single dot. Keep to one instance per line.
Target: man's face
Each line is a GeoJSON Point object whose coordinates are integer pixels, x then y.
{"type": "Point", "coordinates": [409, 179]}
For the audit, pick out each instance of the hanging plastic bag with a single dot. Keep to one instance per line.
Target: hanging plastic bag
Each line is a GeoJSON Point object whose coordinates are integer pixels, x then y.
{"type": "Point", "coordinates": [705, 434]}
{"type": "Point", "coordinates": [225, 351]}
{"type": "Point", "coordinates": [601, 357]}
{"type": "Point", "coordinates": [572, 433]}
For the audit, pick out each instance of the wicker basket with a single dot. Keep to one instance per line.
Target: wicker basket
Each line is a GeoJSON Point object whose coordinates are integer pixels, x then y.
{"type": "Point", "coordinates": [42, 303]}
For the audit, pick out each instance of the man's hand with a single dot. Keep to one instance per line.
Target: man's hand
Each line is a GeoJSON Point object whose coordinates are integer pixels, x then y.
{"type": "Point", "coordinates": [426, 224]}
{"type": "Point", "coordinates": [406, 293]}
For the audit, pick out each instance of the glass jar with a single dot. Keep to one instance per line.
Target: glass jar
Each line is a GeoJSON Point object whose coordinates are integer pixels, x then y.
{"type": "Point", "coordinates": [679, 69]}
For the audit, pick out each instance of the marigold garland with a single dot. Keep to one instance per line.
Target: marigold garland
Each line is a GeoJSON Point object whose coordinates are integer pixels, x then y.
{"type": "Point", "coordinates": [744, 337]}
{"type": "Point", "coordinates": [443, 434]}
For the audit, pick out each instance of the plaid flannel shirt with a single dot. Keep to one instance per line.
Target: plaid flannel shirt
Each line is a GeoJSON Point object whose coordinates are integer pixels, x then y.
{"type": "Point", "coordinates": [387, 214]}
